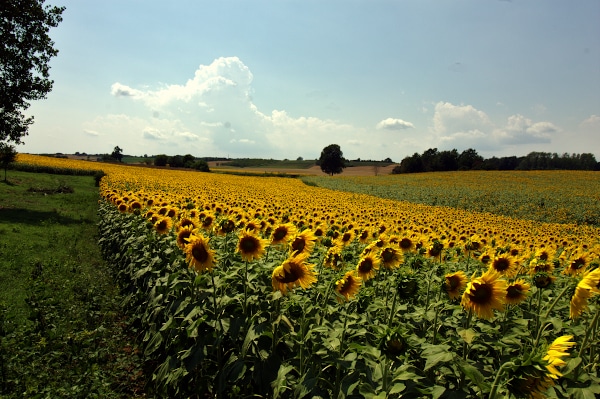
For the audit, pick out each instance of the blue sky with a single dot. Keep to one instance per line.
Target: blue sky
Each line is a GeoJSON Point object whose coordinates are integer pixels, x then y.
{"type": "Point", "coordinates": [283, 79]}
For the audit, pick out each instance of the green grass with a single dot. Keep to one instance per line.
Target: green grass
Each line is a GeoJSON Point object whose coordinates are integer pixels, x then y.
{"type": "Point", "coordinates": [61, 331]}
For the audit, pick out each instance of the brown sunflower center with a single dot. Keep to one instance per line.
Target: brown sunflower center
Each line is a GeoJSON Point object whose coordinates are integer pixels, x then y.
{"type": "Point", "coordinates": [292, 275]}
{"type": "Point", "coordinates": [501, 264]}
{"type": "Point", "coordinates": [279, 233]}
{"type": "Point", "coordinates": [365, 266]}
{"type": "Point", "coordinates": [405, 243]}
{"type": "Point", "coordinates": [248, 244]}
{"type": "Point", "coordinates": [481, 293]}
{"type": "Point", "coordinates": [199, 253]}
{"type": "Point", "coordinates": [298, 244]}
{"type": "Point", "coordinates": [514, 291]}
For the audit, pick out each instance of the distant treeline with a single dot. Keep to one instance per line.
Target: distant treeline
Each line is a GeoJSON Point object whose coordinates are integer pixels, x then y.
{"type": "Point", "coordinates": [433, 160]}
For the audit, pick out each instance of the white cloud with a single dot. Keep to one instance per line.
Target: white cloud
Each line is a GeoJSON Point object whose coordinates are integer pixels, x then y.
{"type": "Point", "coordinates": [394, 124]}
{"type": "Point", "coordinates": [592, 121]}
{"type": "Point", "coordinates": [521, 130]}
{"type": "Point", "coordinates": [450, 118]}
{"type": "Point", "coordinates": [91, 133]}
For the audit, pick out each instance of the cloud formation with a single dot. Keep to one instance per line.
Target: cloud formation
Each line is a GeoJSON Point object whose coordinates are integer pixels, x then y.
{"type": "Point", "coordinates": [464, 126]}
{"type": "Point", "coordinates": [394, 124]}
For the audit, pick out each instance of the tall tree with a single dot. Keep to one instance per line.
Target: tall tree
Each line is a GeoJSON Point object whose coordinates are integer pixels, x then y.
{"type": "Point", "coordinates": [25, 52]}
{"type": "Point", "coordinates": [117, 154]}
{"type": "Point", "coordinates": [332, 159]}
{"type": "Point", "coordinates": [8, 154]}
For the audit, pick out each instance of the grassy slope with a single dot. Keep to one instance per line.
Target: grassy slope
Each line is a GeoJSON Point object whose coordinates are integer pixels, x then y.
{"type": "Point", "coordinates": [60, 329]}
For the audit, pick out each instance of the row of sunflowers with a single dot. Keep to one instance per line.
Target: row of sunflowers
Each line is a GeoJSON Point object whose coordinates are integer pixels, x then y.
{"type": "Point", "coordinates": [251, 286]}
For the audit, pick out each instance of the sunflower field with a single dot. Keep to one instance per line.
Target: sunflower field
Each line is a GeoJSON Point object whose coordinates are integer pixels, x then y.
{"type": "Point", "coordinates": [242, 286]}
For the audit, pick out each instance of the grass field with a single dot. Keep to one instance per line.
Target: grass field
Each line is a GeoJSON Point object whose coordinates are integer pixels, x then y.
{"type": "Point", "coordinates": [61, 330]}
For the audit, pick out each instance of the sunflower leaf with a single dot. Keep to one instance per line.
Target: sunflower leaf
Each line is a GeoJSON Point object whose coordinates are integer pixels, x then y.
{"type": "Point", "coordinates": [467, 335]}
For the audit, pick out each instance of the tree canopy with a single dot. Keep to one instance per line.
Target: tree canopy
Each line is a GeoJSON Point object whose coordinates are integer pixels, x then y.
{"type": "Point", "coordinates": [332, 160]}
{"type": "Point", "coordinates": [25, 53]}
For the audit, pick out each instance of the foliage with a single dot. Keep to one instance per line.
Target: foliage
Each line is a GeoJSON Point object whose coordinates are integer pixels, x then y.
{"type": "Point", "coordinates": [62, 333]}
{"type": "Point", "coordinates": [332, 160]}
{"type": "Point", "coordinates": [433, 160]}
{"type": "Point", "coordinates": [545, 196]}
{"type": "Point", "coordinates": [8, 155]}
{"type": "Point", "coordinates": [25, 54]}
{"type": "Point", "coordinates": [117, 154]}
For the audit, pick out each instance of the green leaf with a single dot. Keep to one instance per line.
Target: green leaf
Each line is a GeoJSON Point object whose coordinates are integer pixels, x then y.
{"type": "Point", "coordinates": [154, 343]}
{"type": "Point", "coordinates": [436, 354]}
{"type": "Point", "coordinates": [473, 374]}
{"type": "Point", "coordinates": [279, 384]}
{"type": "Point", "coordinates": [467, 335]}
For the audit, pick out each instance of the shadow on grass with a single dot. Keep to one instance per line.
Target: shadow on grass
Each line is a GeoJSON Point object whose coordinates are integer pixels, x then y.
{"type": "Point", "coordinates": [32, 217]}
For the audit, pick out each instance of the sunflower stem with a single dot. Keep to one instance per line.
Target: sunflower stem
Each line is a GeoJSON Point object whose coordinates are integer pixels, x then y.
{"type": "Point", "coordinates": [555, 301]}
{"type": "Point", "coordinates": [588, 332]}
{"type": "Point", "coordinates": [245, 309]}
{"type": "Point", "coordinates": [539, 305]}
{"type": "Point", "coordinates": [467, 325]}
{"type": "Point", "coordinates": [435, 320]}
{"type": "Point", "coordinates": [393, 309]}
{"type": "Point", "coordinates": [341, 351]}
{"type": "Point", "coordinates": [497, 379]}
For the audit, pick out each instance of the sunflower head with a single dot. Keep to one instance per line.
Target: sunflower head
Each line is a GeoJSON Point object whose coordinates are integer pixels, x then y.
{"type": "Point", "coordinates": [543, 279]}
{"type": "Point", "coordinates": [183, 236]}
{"type": "Point", "coordinates": [163, 225]}
{"type": "Point", "coordinates": [293, 272]}
{"type": "Point", "coordinates": [556, 351]}
{"type": "Point", "coordinates": [391, 257]}
{"type": "Point", "coordinates": [303, 242]}
{"type": "Point", "coordinates": [517, 292]}
{"type": "Point", "coordinates": [282, 233]}
{"type": "Point", "coordinates": [529, 382]}
{"type": "Point", "coordinates": [198, 254]}
{"type": "Point", "coordinates": [484, 294]}
{"type": "Point", "coordinates": [347, 287]}
{"type": "Point", "coordinates": [455, 283]}
{"type": "Point", "coordinates": [367, 266]}
{"type": "Point", "coordinates": [250, 246]}
{"type": "Point", "coordinates": [503, 264]}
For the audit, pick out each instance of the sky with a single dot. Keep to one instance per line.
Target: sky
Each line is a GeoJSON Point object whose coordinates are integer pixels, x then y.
{"type": "Point", "coordinates": [282, 79]}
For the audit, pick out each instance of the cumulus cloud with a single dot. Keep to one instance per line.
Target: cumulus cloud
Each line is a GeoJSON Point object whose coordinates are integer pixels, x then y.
{"type": "Point", "coordinates": [91, 133]}
{"type": "Point", "coordinates": [592, 121]}
{"type": "Point", "coordinates": [394, 124]}
{"type": "Point", "coordinates": [464, 126]}
{"type": "Point", "coordinates": [522, 130]}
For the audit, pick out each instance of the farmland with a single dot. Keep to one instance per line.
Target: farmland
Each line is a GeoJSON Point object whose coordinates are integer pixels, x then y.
{"type": "Point", "coordinates": [244, 285]}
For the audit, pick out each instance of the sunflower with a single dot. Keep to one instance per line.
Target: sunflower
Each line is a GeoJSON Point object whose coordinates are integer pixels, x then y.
{"type": "Point", "coordinates": [586, 288]}
{"type": "Point", "coordinates": [367, 265]}
{"type": "Point", "coordinates": [516, 292]}
{"type": "Point", "coordinates": [364, 236]}
{"type": "Point", "coordinates": [344, 239]}
{"type": "Point", "coordinates": [123, 207]}
{"type": "Point", "coordinates": [485, 293]}
{"type": "Point", "coordinates": [198, 254]}
{"type": "Point", "coordinates": [253, 225]}
{"type": "Point", "coordinates": [577, 264]}
{"type": "Point", "coordinates": [225, 226]}
{"type": "Point", "coordinates": [406, 244]}
{"type": "Point", "coordinates": [529, 382]}
{"type": "Point", "coordinates": [347, 287]}
{"type": "Point", "coordinates": [455, 284]}
{"type": "Point", "coordinates": [543, 279]}
{"type": "Point", "coordinates": [282, 233]}
{"type": "Point", "coordinates": [293, 272]}
{"type": "Point", "coordinates": [250, 246]}
{"type": "Point", "coordinates": [303, 242]}
{"type": "Point", "coordinates": [333, 258]}
{"type": "Point", "coordinates": [537, 265]}
{"type": "Point", "coordinates": [163, 225]}
{"type": "Point", "coordinates": [391, 257]}
{"type": "Point", "coordinates": [183, 236]}
{"type": "Point", "coordinates": [185, 222]}
{"type": "Point", "coordinates": [207, 220]}
{"type": "Point", "coordinates": [503, 264]}
{"type": "Point", "coordinates": [557, 350]}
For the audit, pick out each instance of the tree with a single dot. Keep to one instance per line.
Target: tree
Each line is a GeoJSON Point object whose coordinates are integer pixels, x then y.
{"type": "Point", "coordinates": [25, 53]}
{"type": "Point", "coordinates": [8, 154]}
{"type": "Point", "coordinates": [332, 160]}
{"type": "Point", "coordinates": [161, 160]}
{"type": "Point", "coordinates": [117, 154]}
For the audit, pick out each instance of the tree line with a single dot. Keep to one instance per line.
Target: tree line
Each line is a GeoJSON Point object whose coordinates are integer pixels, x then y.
{"type": "Point", "coordinates": [432, 160]}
